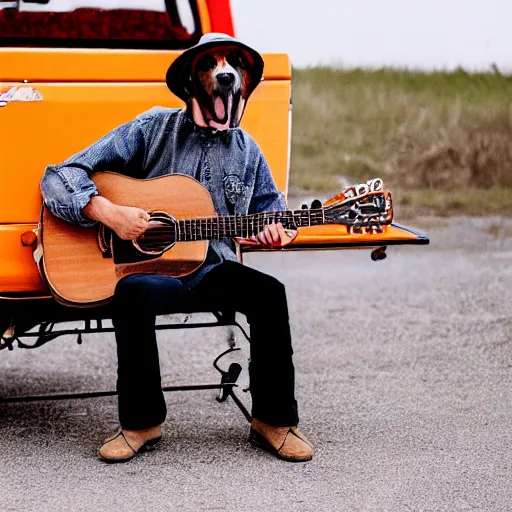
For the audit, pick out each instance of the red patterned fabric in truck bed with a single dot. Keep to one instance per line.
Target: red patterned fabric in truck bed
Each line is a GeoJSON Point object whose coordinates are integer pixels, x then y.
{"type": "Point", "coordinates": [91, 24]}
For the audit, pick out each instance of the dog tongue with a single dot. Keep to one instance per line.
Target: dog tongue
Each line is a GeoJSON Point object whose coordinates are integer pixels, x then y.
{"type": "Point", "coordinates": [220, 111]}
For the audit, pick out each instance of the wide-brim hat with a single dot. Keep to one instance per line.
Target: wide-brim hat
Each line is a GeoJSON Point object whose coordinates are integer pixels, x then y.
{"type": "Point", "coordinates": [179, 72]}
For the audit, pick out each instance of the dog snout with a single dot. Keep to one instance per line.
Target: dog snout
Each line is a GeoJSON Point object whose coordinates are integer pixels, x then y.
{"type": "Point", "coordinates": [225, 79]}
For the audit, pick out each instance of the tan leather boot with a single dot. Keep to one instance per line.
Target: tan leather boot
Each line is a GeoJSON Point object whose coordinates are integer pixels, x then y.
{"type": "Point", "coordinates": [286, 443]}
{"type": "Point", "coordinates": [124, 445]}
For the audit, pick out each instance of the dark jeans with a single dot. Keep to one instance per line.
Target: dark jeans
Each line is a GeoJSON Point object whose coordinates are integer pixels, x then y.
{"type": "Point", "coordinates": [228, 287]}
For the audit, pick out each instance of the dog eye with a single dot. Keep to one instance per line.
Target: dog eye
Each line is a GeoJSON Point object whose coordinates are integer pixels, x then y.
{"type": "Point", "coordinates": [206, 63]}
{"type": "Point", "coordinates": [237, 60]}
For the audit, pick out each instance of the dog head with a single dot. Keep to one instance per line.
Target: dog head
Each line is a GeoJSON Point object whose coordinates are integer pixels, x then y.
{"type": "Point", "coordinates": [220, 83]}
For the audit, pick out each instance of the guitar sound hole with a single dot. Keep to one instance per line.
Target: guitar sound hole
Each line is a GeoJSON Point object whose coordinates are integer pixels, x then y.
{"type": "Point", "coordinates": [160, 235]}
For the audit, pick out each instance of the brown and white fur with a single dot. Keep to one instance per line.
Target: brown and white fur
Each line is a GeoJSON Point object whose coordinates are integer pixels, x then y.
{"type": "Point", "coordinates": [220, 86]}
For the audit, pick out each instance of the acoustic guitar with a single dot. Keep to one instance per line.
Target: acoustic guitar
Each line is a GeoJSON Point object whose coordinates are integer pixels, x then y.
{"type": "Point", "coordinates": [82, 265]}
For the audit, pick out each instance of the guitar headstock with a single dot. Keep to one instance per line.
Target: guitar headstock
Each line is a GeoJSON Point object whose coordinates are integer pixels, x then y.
{"type": "Point", "coordinates": [363, 206]}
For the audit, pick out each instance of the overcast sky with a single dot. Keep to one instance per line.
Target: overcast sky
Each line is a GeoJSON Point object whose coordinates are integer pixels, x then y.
{"type": "Point", "coordinates": [441, 34]}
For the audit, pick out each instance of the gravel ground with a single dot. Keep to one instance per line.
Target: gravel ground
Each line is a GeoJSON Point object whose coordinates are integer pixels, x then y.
{"type": "Point", "coordinates": [403, 381]}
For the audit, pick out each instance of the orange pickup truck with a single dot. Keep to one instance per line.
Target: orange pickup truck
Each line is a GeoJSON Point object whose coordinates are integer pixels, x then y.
{"type": "Point", "coordinates": [69, 73]}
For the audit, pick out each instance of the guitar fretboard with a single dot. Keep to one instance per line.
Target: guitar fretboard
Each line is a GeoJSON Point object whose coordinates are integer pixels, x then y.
{"type": "Point", "coordinates": [244, 226]}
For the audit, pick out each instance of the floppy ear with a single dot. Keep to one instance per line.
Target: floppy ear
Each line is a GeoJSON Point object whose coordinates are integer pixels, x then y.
{"type": "Point", "coordinates": [187, 86]}
{"type": "Point", "coordinates": [250, 78]}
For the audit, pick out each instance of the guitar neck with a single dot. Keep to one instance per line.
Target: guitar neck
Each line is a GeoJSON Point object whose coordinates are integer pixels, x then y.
{"type": "Point", "coordinates": [244, 226]}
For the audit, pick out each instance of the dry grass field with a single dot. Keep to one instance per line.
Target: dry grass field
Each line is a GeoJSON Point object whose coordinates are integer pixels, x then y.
{"type": "Point", "coordinates": [441, 141]}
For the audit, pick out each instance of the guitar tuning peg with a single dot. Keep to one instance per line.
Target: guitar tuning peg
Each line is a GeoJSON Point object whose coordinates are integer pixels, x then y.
{"type": "Point", "coordinates": [316, 204]}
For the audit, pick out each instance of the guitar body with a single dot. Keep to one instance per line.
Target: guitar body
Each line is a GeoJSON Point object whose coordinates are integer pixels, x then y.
{"type": "Point", "coordinates": [75, 267]}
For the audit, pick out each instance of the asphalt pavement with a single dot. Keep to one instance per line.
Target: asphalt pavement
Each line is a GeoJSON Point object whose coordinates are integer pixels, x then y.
{"type": "Point", "coordinates": [404, 379]}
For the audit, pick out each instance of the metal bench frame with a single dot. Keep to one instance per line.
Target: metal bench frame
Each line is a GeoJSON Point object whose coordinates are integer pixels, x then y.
{"type": "Point", "coordinates": [17, 334]}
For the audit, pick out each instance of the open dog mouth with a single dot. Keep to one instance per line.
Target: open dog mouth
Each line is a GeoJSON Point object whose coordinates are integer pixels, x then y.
{"type": "Point", "coordinates": [222, 107]}
{"type": "Point", "coordinates": [220, 110]}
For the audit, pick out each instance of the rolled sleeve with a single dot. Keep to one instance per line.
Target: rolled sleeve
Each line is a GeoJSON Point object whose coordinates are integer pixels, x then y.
{"type": "Point", "coordinates": [66, 192]}
{"type": "Point", "coordinates": [67, 187]}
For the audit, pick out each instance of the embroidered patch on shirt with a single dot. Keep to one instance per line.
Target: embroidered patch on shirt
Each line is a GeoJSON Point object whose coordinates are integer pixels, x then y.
{"type": "Point", "coordinates": [234, 188]}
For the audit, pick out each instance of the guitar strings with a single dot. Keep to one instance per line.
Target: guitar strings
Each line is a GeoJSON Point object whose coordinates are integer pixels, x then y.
{"type": "Point", "coordinates": [214, 227]}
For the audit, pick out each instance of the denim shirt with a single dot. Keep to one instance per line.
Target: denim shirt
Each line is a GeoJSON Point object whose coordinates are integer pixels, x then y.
{"type": "Point", "coordinates": [162, 141]}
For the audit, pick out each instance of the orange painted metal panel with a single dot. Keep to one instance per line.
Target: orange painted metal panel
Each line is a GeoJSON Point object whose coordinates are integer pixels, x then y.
{"type": "Point", "coordinates": [339, 234]}
{"type": "Point", "coordinates": [204, 16]}
{"type": "Point", "coordinates": [267, 120]}
{"type": "Point", "coordinates": [332, 236]}
{"type": "Point", "coordinates": [72, 116]}
{"type": "Point", "coordinates": [18, 270]}
{"type": "Point", "coordinates": [102, 65]}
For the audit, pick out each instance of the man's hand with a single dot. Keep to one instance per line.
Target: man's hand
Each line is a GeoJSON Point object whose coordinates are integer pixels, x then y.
{"type": "Point", "coordinates": [275, 235]}
{"type": "Point", "coordinates": [128, 222]}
